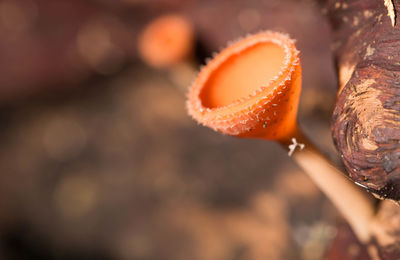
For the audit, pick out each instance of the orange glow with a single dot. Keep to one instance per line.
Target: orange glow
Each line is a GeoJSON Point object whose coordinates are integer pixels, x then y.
{"type": "Point", "coordinates": [239, 76]}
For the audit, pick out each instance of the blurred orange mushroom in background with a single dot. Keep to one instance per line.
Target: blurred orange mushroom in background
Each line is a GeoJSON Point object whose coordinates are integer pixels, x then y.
{"type": "Point", "coordinates": [251, 90]}
{"type": "Point", "coordinates": [166, 41]}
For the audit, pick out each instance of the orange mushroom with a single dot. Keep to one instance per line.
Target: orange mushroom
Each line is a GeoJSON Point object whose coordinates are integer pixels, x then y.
{"type": "Point", "coordinates": [166, 41]}
{"type": "Point", "coordinates": [251, 90]}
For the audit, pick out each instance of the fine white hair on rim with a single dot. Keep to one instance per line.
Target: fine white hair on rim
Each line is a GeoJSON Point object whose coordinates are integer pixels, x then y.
{"type": "Point", "coordinates": [225, 122]}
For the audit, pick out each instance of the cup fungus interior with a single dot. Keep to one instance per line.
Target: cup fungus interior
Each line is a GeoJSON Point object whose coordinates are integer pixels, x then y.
{"type": "Point", "coordinates": [251, 89]}
{"type": "Point", "coordinates": [243, 74]}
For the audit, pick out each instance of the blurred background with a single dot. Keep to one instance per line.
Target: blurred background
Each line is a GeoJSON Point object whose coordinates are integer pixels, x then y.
{"type": "Point", "coordinates": [99, 159]}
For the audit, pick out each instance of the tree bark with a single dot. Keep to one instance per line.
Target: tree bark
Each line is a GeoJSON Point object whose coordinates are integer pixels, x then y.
{"type": "Point", "coordinates": [366, 118]}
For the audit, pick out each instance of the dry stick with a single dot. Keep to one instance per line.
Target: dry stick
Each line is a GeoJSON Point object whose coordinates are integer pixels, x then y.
{"type": "Point", "coordinates": [354, 204]}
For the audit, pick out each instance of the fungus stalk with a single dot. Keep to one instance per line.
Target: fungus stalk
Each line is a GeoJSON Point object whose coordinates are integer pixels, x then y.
{"type": "Point", "coordinates": [355, 206]}
{"type": "Point", "coordinates": [251, 90]}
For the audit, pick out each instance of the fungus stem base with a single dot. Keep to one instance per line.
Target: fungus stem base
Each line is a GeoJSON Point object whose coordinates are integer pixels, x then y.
{"type": "Point", "coordinates": [356, 206]}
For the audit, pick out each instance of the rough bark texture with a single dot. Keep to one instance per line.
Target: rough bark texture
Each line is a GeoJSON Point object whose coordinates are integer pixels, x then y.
{"type": "Point", "coordinates": [366, 118]}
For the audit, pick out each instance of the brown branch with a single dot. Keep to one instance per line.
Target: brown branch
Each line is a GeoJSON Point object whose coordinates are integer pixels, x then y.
{"type": "Point", "coordinates": [366, 118]}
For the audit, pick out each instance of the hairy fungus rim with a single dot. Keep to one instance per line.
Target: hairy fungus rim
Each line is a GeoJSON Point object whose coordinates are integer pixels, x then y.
{"type": "Point", "coordinates": [252, 103]}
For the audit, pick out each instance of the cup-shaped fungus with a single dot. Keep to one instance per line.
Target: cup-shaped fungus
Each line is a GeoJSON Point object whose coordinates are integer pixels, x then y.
{"type": "Point", "coordinates": [251, 89]}
{"type": "Point", "coordinates": [166, 41]}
